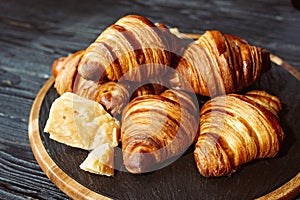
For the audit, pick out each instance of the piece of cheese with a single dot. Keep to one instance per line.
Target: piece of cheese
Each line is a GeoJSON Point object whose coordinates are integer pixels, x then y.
{"type": "Point", "coordinates": [100, 160]}
{"type": "Point", "coordinates": [81, 123]}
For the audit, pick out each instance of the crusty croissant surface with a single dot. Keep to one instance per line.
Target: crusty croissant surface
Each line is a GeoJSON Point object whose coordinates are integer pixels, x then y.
{"type": "Point", "coordinates": [156, 128]}
{"type": "Point", "coordinates": [235, 129]}
{"type": "Point", "coordinates": [218, 63]}
{"type": "Point", "coordinates": [133, 48]}
{"type": "Point", "coordinates": [64, 70]}
{"type": "Point", "coordinates": [150, 88]}
{"type": "Point", "coordinates": [112, 95]}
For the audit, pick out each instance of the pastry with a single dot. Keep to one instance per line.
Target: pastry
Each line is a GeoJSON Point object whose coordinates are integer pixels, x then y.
{"type": "Point", "coordinates": [156, 128]}
{"type": "Point", "coordinates": [235, 129]}
{"type": "Point", "coordinates": [218, 64]}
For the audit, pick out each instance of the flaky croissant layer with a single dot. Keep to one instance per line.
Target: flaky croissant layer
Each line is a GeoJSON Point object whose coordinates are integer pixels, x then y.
{"type": "Point", "coordinates": [112, 95]}
{"type": "Point", "coordinates": [235, 129]}
{"type": "Point", "coordinates": [156, 128]}
{"type": "Point", "coordinates": [132, 48]}
{"type": "Point", "coordinates": [218, 64]}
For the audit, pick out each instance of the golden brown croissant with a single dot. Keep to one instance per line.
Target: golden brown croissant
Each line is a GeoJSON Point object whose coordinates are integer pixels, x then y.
{"type": "Point", "coordinates": [113, 96]}
{"type": "Point", "coordinates": [235, 129]}
{"type": "Point", "coordinates": [150, 88]}
{"type": "Point", "coordinates": [156, 128]}
{"type": "Point", "coordinates": [218, 63]}
{"type": "Point", "coordinates": [64, 70]}
{"type": "Point", "coordinates": [133, 48]}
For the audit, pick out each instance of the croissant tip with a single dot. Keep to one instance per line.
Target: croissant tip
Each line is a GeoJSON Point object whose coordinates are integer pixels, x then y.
{"type": "Point", "coordinates": [57, 66]}
{"type": "Point", "coordinates": [138, 163]}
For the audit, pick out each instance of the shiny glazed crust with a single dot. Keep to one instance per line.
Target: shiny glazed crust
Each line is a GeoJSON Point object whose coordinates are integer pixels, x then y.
{"type": "Point", "coordinates": [156, 128]}
{"type": "Point", "coordinates": [217, 64]}
{"type": "Point", "coordinates": [133, 48]}
{"type": "Point", "coordinates": [235, 129]}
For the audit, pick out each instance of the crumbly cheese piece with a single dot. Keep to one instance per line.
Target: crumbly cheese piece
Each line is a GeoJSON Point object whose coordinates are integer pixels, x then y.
{"type": "Point", "coordinates": [100, 160]}
{"type": "Point", "coordinates": [81, 123]}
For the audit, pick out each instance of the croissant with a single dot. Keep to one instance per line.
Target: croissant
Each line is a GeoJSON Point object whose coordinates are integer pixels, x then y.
{"type": "Point", "coordinates": [156, 129]}
{"type": "Point", "coordinates": [236, 129]}
{"type": "Point", "coordinates": [133, 48]}
{"type": "Point", "coordinates": [150, 88]}
{"type": "Point", "coordinates": [113, 96]}
{"type": "Point", "coordinates": [219, 63]}
{"type": "Point", "coordinates": [64, 70]}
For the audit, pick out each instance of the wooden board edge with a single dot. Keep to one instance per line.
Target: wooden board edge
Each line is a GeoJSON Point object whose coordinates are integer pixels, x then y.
{"type": "Point", "coordinates": [290, 190]}
{"type": "Point", "coordinates": [280, 62]}
{"type": "Point", "coordinates": [64, 182]}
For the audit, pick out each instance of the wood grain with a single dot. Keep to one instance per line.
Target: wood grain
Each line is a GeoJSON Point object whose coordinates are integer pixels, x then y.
{"type": "Point", "coordinates": [290, 190]}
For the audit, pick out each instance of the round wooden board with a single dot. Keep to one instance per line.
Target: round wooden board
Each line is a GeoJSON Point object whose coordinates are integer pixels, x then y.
{"type": "Point", "coordinates": [67, 180]}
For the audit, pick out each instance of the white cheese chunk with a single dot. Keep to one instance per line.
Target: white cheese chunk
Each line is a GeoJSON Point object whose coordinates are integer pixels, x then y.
{"type": "Point", "coordinates": [100, 160]}
{"type": "Point", "coordinates": [81, 123]}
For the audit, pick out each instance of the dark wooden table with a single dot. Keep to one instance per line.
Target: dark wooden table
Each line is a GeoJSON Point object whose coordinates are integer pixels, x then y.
{"type": "Point", "coordinates": [34, 33]}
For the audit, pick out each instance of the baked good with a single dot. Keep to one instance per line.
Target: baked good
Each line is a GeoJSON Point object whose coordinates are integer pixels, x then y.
{"type": "Point", "coordinates": [218, 64]}
{"type": "Point", "coordinates": [157, 128]}
{"type": "Point", "coordinates": [235, 129]}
